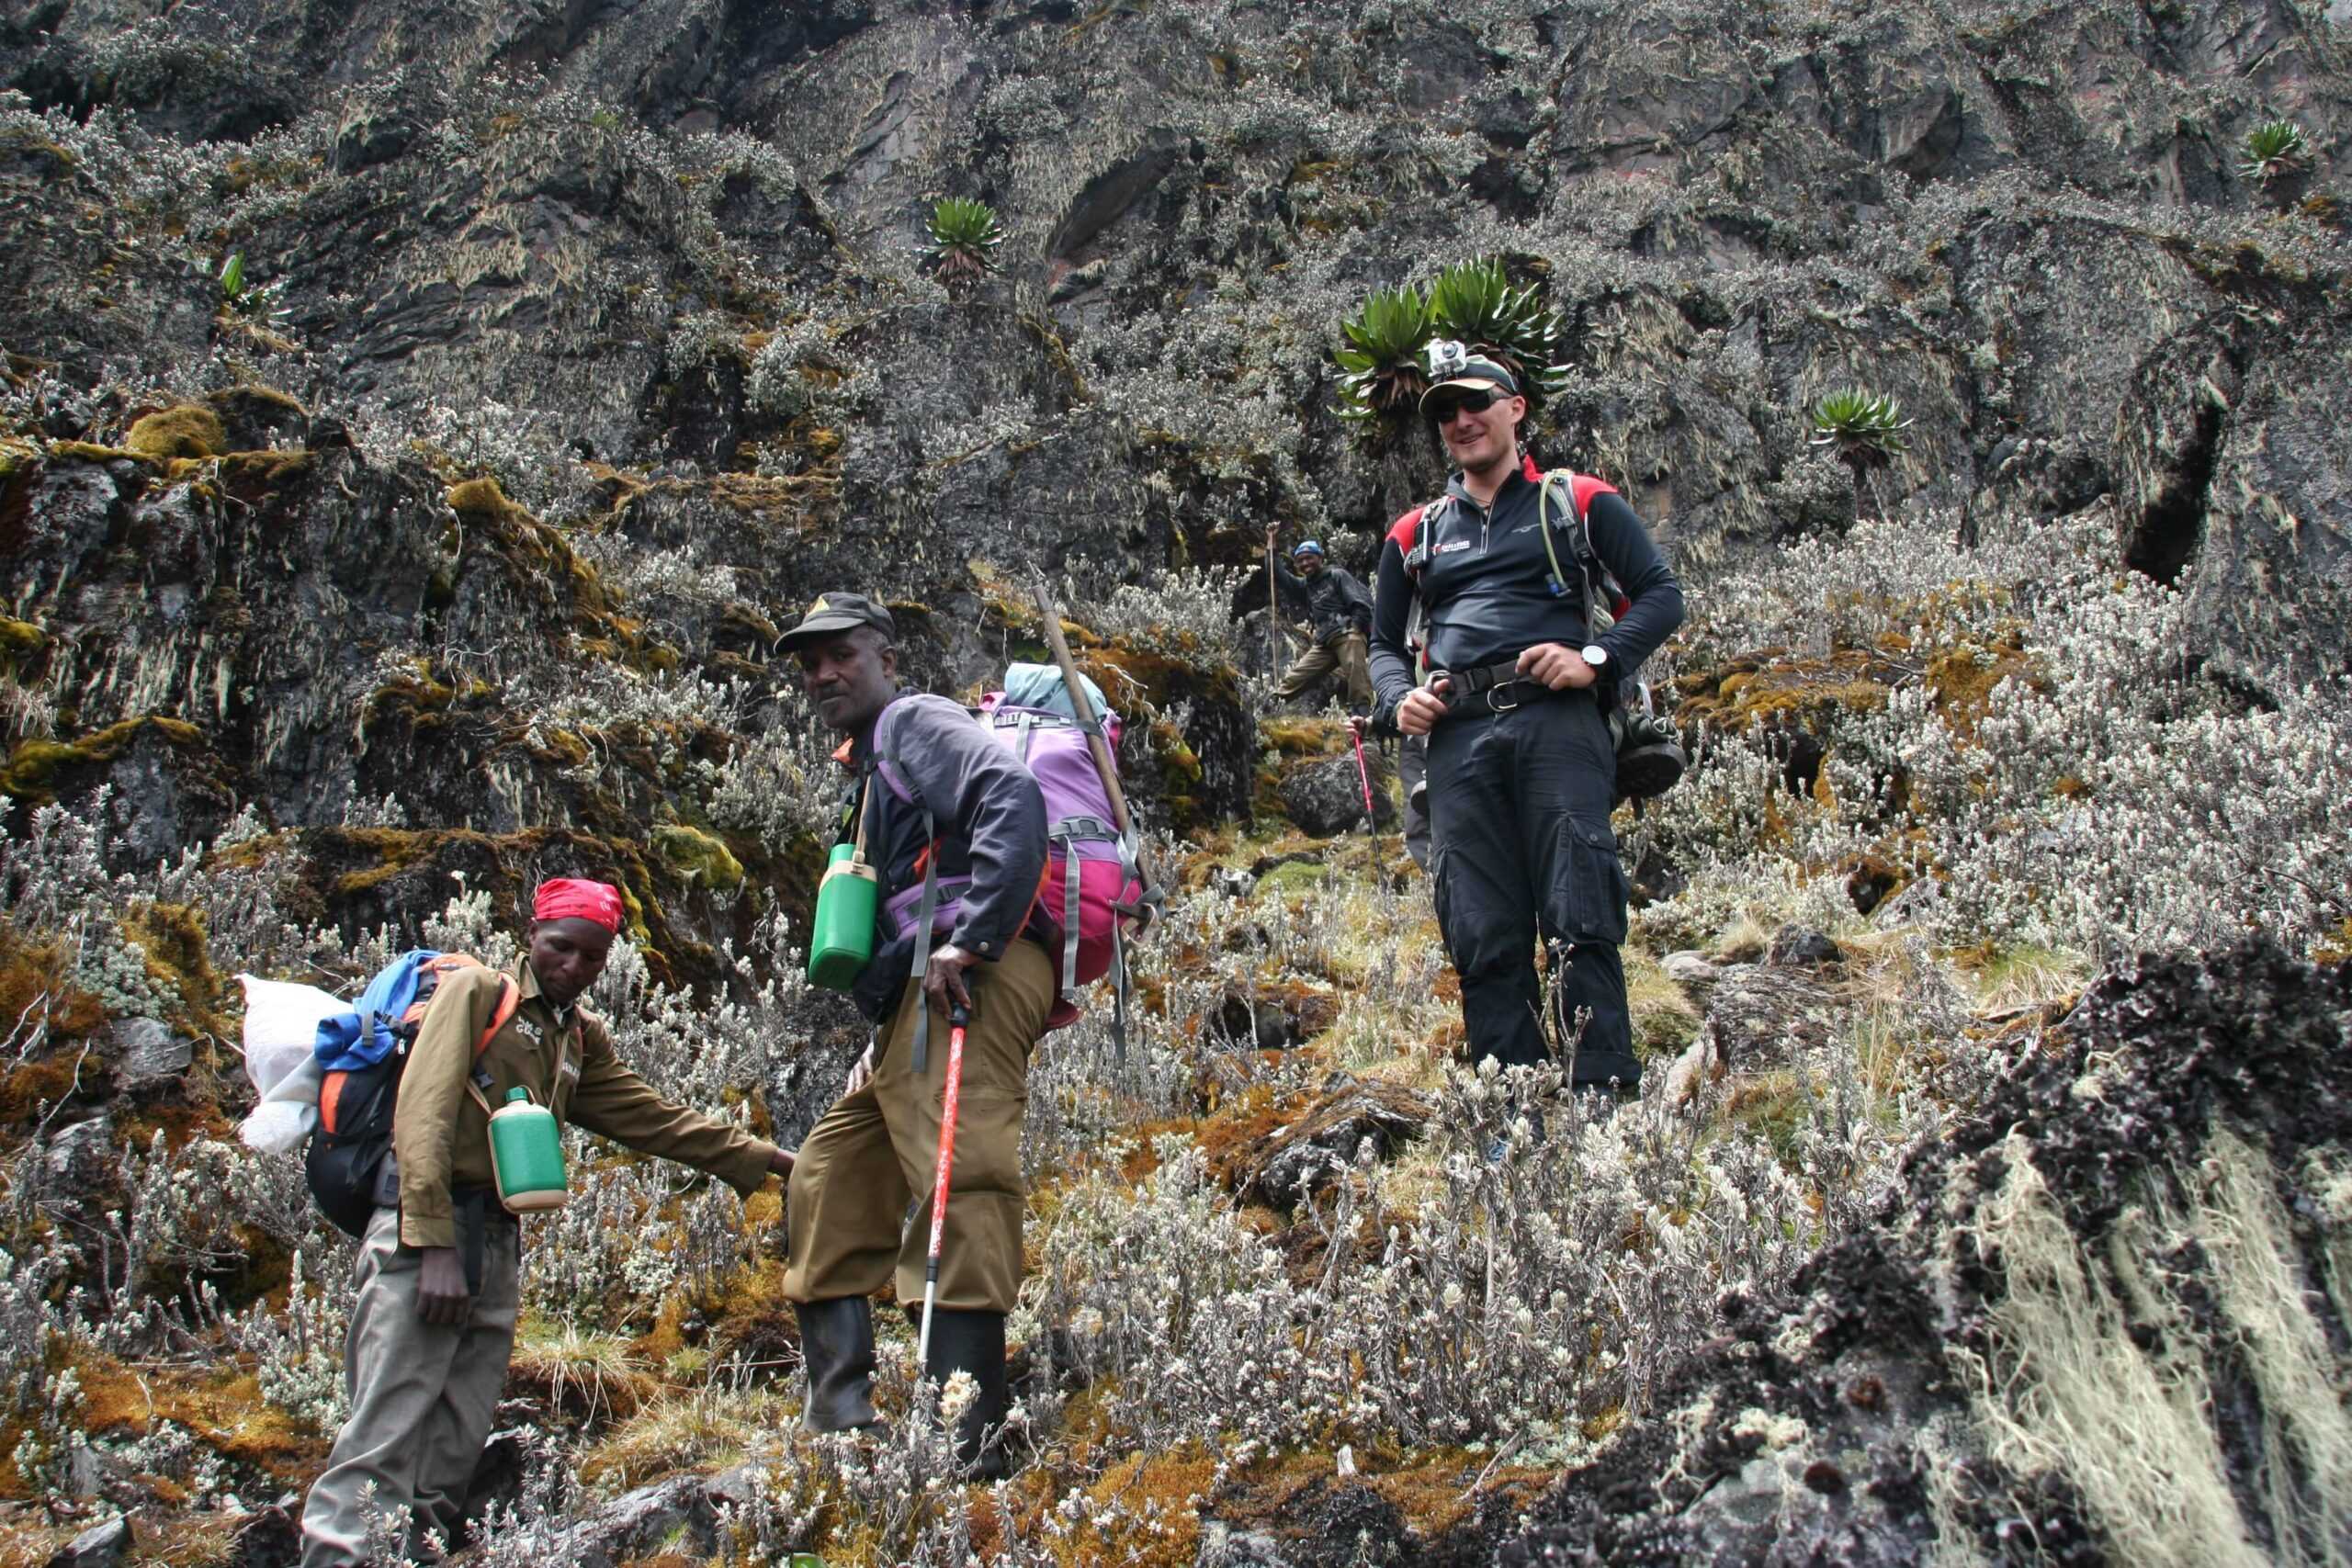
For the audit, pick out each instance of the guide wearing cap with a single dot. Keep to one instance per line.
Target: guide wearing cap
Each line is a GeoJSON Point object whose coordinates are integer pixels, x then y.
{"type": "Point", "coordinates": [1522, 767]}
{"type": "Point", "coordinates": [437, 1279]}
{"type": "Point", "coordinates": [964, 806]}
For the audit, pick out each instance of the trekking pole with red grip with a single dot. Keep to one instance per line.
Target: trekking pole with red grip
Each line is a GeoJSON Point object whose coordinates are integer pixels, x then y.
{"type": "Point", "coordinates": [1371, 817]}
{"type": "Point", "coordinates": [958, 1018]}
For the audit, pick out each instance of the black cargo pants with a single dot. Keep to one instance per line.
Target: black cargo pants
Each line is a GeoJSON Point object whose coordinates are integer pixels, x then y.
{"type": "Point", "coordinates": [1520, 845]}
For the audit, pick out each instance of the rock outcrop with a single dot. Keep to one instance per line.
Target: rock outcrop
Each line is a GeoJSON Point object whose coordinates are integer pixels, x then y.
{"type": "Point", "coordinates": [2150, 1213]}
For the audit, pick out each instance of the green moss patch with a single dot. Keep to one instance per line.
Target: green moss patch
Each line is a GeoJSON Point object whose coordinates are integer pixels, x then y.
{"type": "Point", "coordinates": [699, 856]}
{"type": "Point", "coordinates": [33, 768]}
{"type": "Point", "coordinates": [188, 430]}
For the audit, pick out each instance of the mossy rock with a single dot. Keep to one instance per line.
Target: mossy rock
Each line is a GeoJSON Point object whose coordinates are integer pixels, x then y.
{"type": "Point", "coordinates": [258, 416]}
{"type": "Point", "coordinates": [699, 856]}
{"type": "Point", "coordinates": [32, 769]}
{"type": "Point", "coordinates": [20, 637]}
{"type": "Point", "coordinates": [188, 430]}
{"type": "Point", "coordinates": [481, 499]}
{"type": "Point", "coordinates": [94, 452]}
{"type": "Point", "coordinates": [1295, 735]}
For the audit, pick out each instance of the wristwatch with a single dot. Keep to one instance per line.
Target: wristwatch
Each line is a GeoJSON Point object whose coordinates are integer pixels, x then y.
{"type": "Point", "coordinates": [1594, 655]}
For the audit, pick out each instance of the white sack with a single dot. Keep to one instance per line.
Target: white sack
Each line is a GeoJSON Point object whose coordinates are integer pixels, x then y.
{"type": "Point", "coordinates": [281, 1058]}
{"type": "Point", "coordinates": [282, 1028]}
{"type": "Point", "coordinates": [288, 1115]}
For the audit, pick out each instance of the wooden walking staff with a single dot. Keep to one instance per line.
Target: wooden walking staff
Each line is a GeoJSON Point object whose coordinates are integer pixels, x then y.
{"type": "Point", "coordinates": [1277, 645]}
{"type": "Point", "coordinates": [1090, 723]}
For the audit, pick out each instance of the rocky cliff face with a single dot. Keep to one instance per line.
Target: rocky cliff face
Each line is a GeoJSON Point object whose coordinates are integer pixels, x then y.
{"type": "Point", "coordinates": [571, 347]}
{"type": "Point", "coordinates": [654, 266]}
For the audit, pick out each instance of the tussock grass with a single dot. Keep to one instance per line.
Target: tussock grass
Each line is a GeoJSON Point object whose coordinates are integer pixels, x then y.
{"type": "Point", "coordinates": [2068, 1389]}
{"type": "Point", "coordinates": [1665, 1019]}
{"type": "Point", "coordinates": [703, 1430]}
{"type": "Point", "coordinates": [579, 1370]}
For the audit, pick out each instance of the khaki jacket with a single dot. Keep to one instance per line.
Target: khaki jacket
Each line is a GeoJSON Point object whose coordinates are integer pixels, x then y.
{"type": "Point", "coordinates": [441, 1136]}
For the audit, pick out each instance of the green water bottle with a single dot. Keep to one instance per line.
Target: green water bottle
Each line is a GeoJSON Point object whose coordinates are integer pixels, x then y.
{"type": "Point", "coordinates": [842, 938]}
{"type": "Point", "coordinates": [526, 1155]}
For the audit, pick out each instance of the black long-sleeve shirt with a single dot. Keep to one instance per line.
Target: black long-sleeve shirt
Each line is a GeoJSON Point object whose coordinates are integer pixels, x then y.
{"type": "Point", "coordinates": [1485, 581]}
{"type": "Point", "coordinates": [1334, 601]}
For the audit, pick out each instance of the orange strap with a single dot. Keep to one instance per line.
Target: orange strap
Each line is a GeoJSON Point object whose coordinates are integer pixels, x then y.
{"type": "Point", "coordinates": [510, 996]}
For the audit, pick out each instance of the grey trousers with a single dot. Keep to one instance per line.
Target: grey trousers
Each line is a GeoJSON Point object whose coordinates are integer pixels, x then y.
{"type": "Point", "coordinates": [423, 1397]}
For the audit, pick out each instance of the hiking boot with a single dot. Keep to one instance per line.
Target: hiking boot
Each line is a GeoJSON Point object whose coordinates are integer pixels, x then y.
{"type": "Point", "coordinates": [974, 1342]}
{"type": "Point", "coordinates": [837, 1343]}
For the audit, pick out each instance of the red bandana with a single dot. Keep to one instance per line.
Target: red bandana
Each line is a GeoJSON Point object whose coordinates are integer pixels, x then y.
{"type": "Point", "coordinates": [570, 898]}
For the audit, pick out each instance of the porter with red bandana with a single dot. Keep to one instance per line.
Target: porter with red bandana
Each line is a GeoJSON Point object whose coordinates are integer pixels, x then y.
{"type": "Point", "coordinates": [433, 1318]}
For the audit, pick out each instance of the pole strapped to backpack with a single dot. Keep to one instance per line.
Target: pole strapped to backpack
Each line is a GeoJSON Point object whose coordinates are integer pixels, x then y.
{"type": "Point", "coordinates": [923, 912]}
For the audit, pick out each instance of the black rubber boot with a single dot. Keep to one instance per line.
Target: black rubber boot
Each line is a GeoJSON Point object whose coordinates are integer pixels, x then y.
{"type": "Point", "coordinates": [837, 1342]}
{"type": "Point", "coordinates": [974, 1342]}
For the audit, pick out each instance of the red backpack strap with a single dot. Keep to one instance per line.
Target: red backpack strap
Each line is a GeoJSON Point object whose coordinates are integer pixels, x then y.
{"type": "Point", "coordinates": [1584, 487]}
{"type": "Point", "coordinates": [1407, 530]}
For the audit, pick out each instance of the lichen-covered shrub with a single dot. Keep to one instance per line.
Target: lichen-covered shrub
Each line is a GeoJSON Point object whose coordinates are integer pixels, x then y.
{"type": "Point", "coordinates": [2030, 738]}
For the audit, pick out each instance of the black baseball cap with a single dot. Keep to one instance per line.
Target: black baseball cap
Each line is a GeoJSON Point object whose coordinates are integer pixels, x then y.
{"type": "Point", "coordinates": [836, 611]}
{"type": "Point", "coordinates": [1475, 374]}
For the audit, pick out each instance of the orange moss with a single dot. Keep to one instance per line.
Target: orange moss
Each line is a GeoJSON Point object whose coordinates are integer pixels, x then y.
{"type": "Point", "coordinates": [1229, 1134]}
{"type": "Point", "coordinates": [482, 500]}
{"type": "Point", "coordinates": [1772, 688]}
{"type": "Point", "coordinates": [1159, 1519]}
{"type": "Point", "coordinates": [33, 768]}
{"type": "Point", "coordinates": [751, 1316]}
{"type": "Point", "coordinates": [223, 1407]}
{"type": "Point", "coordinates": [34, 987]}
{"type": "Point", "coordinates": [173, 939]}
{"type": "Point", "coordinates": [1964, 678]}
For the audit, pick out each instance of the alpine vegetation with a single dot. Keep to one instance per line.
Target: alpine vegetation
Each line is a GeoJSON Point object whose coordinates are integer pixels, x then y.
{"type": "Point", "coordinates": [965, 235]}
{"type": "Point", "coordinates": [449, 456]}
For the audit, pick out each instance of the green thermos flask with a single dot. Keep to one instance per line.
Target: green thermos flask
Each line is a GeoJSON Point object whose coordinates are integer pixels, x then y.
{"type": "Point", "coordinates": [526, 1155]}
{"type": "Point", "coordinates": [842, 940]}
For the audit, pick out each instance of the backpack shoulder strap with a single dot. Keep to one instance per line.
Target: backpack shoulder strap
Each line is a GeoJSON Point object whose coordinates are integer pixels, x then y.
{"type": "Point", "coordinates": [510, 996]}
{"type": "Point", "coordinates": [1411, 542]}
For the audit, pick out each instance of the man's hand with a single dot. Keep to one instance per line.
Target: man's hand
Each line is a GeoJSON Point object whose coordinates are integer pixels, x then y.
{"type": "Point", "coordinates": [943, 978]}
{"type": "Point", "coordinates": [1423, 706]}
{"type": "Point", "coordinates": [1557, 666]}
{"type": "Point", "coordinates": [780, 1162]}
{"type": "Point", "coordinates": [1273, 531]}
{"type": "Point", "coordinates": [861, 1072]}
{"type": "Point", "coordinates": [442, 1298]}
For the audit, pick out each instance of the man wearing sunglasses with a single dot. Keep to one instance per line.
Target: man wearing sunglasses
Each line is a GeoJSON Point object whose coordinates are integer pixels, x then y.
{"type": "Point", "coordinates": [1504, 676]}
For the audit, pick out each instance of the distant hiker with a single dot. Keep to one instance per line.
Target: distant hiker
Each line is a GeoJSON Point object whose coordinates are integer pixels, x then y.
{"type": "Point", "coordinates": [433, 1324]}
{"type": "Point", "coordinates": [957, 804]}
{"type": "Point", "coordinates": [1523, 768]}
{"type": "Point", "coordinates": [1338, 612]}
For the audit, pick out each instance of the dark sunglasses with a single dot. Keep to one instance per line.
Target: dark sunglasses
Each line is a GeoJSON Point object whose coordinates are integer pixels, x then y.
{"type": "Point", "coordinates": [1472, 402]}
